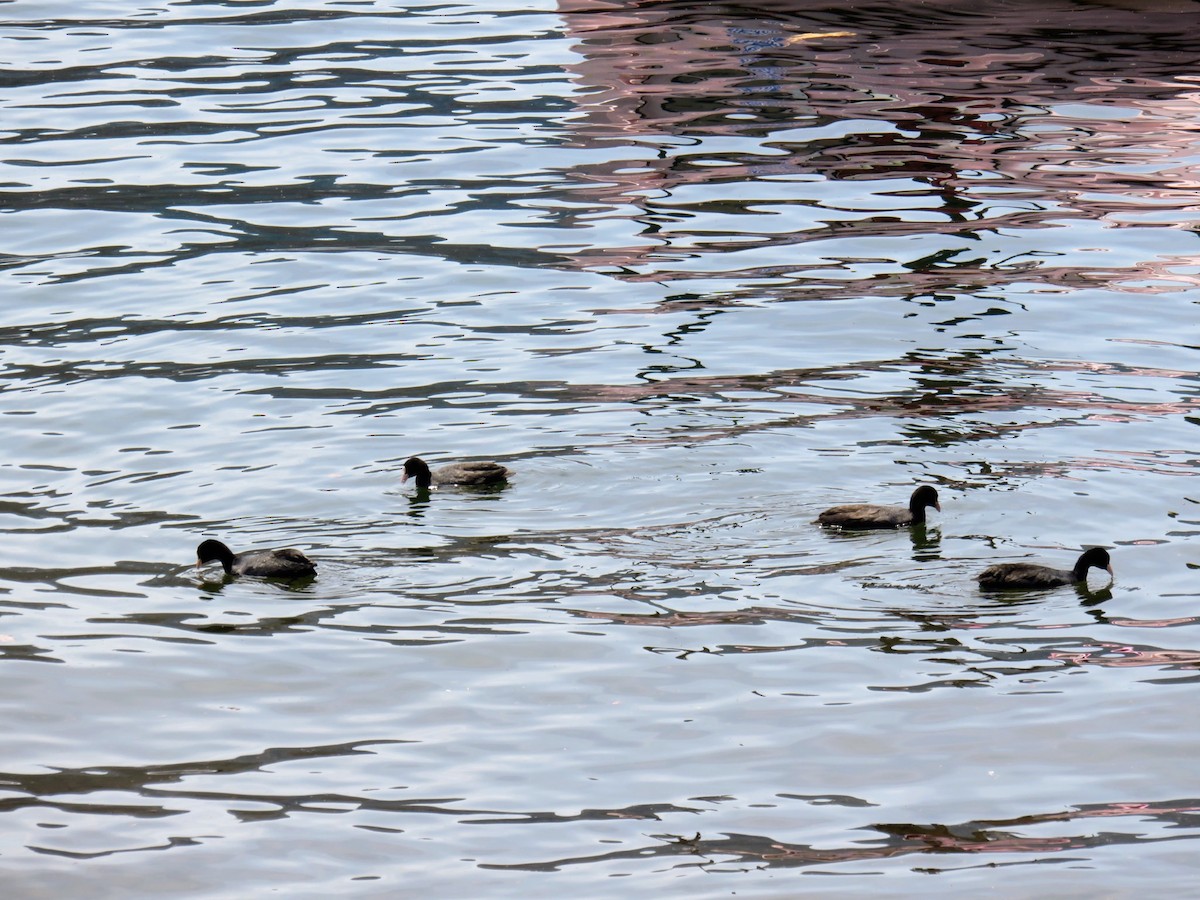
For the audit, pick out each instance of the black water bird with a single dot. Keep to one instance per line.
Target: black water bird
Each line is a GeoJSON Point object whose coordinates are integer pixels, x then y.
{"type": "Point", "coordinates": [873, 515]}
{"type": "Point", "coordinates": [1027, 576]}
{"type": "Point", "coordinates": [465, 473]}
{"type": "Point", "coordinates": [287, 563]}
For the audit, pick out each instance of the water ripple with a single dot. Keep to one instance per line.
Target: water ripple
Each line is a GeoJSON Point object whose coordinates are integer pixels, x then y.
{"type": "Point", "coordinates": [694, 273]}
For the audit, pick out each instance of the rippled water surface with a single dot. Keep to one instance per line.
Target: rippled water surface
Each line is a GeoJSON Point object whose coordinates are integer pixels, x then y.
{"type": "Point", "coordinates": [695, 272]}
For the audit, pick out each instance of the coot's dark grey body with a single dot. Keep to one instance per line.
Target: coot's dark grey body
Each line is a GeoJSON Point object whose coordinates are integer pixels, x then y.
{"type": "Point", "coordinates": [287, 563]}
{"type": "Point", "coordinates": [872, 515]}
{"type": "Point", "coordinates": [1029, 577]}
{"type": "Point", "coordinates": [467, 473]}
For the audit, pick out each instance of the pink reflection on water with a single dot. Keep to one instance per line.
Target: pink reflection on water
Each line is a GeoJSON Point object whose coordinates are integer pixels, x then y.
{"type": "Point", "coordinates": [1012, 117]}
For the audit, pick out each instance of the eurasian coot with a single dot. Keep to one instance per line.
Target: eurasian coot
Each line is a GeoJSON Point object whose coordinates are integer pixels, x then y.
{"type": "Point", "coordinates": [287, 563]}
{"type": "Point", "coordinates": [1027, 576]}
{"type": "Point", "coordinates": [872, 515]}
{"type": "Point", "coordinates": [468, 473]}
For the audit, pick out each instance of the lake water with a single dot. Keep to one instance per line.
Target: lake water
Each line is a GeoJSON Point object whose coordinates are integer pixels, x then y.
{"type": "Point", "coordinates": [695, 272]}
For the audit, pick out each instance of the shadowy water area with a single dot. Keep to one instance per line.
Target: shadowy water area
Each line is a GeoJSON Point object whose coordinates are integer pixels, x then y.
{"type": "Point", "coordinates": [694, 272]}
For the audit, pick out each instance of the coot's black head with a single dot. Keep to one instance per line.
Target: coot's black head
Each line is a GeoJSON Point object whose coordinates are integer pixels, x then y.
{"type": "Point", "coordinates": [415, 467]}
{"type": "Point", "coordinates": [1095, 558]}
{"type": "Point", "coordinates": [210, 550]}
{"type": "Point", "coordinates": [925, 495]}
